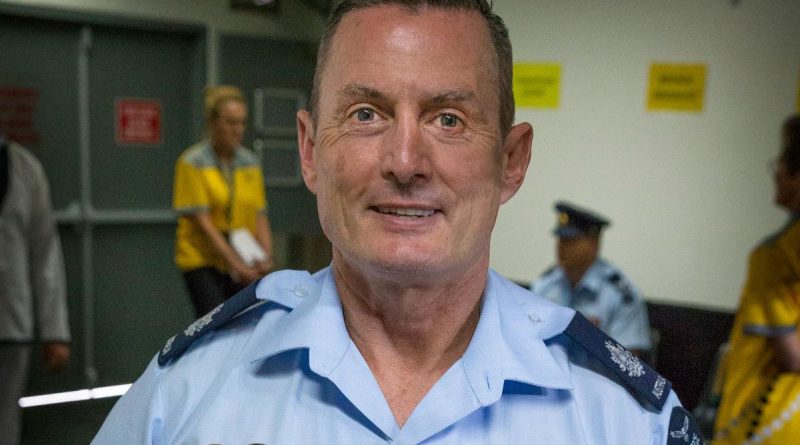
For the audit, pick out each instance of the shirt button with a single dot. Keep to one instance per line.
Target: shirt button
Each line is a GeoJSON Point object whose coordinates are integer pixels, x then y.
{"type": "Point", "coordinates": [300, 292]}
{"type": "Point", "coordinates": [534, 318]}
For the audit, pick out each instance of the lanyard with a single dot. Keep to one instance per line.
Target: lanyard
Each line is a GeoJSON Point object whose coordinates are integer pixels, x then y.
{"type": "Point", "coordinates": [227, 172]}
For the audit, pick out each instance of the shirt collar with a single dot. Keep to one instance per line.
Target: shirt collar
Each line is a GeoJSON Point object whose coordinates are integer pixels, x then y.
{"type": "Point", "coordinates": [314, 322]}
{"type": "Point", "coordinates": [592, 279]}
{"type": "Point", "coordinates": [510, 341]}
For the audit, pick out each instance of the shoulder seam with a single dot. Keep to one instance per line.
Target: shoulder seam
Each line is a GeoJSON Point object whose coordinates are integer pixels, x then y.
{"type": "Point", "coordinates": [197, 156]}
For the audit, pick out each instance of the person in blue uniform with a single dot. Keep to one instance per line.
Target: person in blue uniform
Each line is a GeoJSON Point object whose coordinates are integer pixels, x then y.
{"type": "Point", "coordinates": [588, 283]}
{"type": "Point", "coordinates": [407, 337]}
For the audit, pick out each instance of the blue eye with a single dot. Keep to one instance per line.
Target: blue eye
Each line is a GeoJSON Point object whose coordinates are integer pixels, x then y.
{"type": "Point", "coordinates": [448, 120]}
{"type": "Point", "coordinates": [365, 114]}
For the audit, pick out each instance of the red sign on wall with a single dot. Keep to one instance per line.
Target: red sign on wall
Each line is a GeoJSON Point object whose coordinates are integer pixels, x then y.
{"type": "Point", "coordinates": [17, 110]}
{"type": "Point", "coordinates": [137, 121]}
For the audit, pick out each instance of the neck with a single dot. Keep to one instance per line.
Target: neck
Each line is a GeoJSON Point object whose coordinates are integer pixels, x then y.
{"type": "Point", "coordinates": [409, 335]}
{"type": "Point", "coordinates": [575, 274]}
{"type": "Point", "coordinates": [794, 206]}
{"type": "Point", "coordinates": [224, 154]}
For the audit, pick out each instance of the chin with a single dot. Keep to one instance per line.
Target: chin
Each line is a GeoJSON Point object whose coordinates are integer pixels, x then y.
{"type": "Point", "coordinates": [412, 267]}
{"type": "Point", "coordinates": [406, 263]}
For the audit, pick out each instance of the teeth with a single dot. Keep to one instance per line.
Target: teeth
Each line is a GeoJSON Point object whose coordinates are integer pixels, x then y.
{"type": "Point", "coordinates": [405, 211]}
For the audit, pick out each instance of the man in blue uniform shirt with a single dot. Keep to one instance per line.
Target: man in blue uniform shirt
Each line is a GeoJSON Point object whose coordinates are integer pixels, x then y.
{"type": "Point", "coordinates": [591, 285]}
{"type": "Point", "coordinates": [409, 145]}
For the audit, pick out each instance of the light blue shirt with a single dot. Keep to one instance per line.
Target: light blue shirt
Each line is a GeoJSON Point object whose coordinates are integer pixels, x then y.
{"type": "Point", "coordinates": [286, 372]}
{"type": "Point", "coordinates": [604, 296]}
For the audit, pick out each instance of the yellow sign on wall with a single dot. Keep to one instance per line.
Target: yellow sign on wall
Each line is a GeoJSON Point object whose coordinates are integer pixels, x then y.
{"type": "Point", "coordinates": [676, 87]}
{"type": "Point", "coordinates": [536, 85]}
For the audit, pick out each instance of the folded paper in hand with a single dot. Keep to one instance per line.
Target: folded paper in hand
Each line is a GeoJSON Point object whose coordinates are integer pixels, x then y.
{"type": "Point", "coordinates": [246, 246]}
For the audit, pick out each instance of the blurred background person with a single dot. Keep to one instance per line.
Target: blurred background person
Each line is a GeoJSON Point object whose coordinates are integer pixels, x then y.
{"type": "Point", "coordinates": [590, 284]}
{"type": "Point", "coordinates": [761, 371]}
{"type": "Point", "coordinates": [32, 283]}
{"type": "Point", "coordinates": [219, 189]}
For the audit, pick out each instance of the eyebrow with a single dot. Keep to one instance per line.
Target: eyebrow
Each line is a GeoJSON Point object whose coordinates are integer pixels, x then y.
{"type": "Point", "coordinates": [356, 91]}
{"type": "Point", "coordinates": [450, 96]}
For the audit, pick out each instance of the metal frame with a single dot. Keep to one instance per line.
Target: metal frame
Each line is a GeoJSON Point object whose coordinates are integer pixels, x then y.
{"type": "Point", "coordinates": [261, 96]}
{"type": "Point", "coordinates": [261, 146]}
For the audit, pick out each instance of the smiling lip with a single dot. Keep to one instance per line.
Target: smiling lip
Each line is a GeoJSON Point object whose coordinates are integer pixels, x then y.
{"type": "Point", "coordinates": [406, 211]}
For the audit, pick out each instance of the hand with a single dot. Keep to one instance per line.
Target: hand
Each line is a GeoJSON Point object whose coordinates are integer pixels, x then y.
{"type": "Point", "coordinates": [243, 274]}
{"type": "Point", "coordinates": [56, 355]}
{"type": "Point", "coordinates": [264, 267]}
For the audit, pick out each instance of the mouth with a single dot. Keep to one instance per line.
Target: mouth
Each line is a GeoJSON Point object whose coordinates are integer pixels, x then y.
{"type": "Point", "coordinates": [405, 211]}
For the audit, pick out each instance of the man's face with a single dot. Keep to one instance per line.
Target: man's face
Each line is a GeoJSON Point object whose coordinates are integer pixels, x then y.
{"type": "Point", "coordinates": [406, 156]}
{"type": "Point", "coordinates": [577, 252]}
{"type": "Point", "coordinates": [227, 130]}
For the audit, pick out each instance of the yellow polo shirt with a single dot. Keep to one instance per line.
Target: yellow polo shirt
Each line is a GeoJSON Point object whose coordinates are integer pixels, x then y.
{"type": "Point", "coordinates": [233, 199]}
{"type": "Point", "coordinates": [760, 405]}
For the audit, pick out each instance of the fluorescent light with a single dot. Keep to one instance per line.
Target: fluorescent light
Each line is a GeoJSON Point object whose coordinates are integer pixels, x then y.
{"type": "Point", "coordinates": [60, 397]}
{"type": "Point", "coordinates": [110, 391]}
{"type": "Point", "coordinates": [74, 396]}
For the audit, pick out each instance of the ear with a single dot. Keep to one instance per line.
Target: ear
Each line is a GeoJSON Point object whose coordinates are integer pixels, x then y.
{"type": "Point", "coordinates": [516, 157]}
{"type": "Point", "coordinates": [305, 146]}
{"type": "Point", "coordinates": [595, 244]}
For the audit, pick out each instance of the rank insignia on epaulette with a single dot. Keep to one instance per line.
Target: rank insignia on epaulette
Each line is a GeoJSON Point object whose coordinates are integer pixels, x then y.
{"type": "Point", "coordinates": [627, 362]}
{"type": "Point", "coordinates": [201, 322]}
{"type": "Point", "coordinates": [642, 380]}
{"type": "Point", "coordinates": [683, 429]}
{"type": "Point", "coordinates": [220, 315]}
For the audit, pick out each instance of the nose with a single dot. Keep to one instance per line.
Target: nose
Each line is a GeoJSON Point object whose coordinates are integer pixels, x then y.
{"type": "Point", "coordinates": [406, 154]}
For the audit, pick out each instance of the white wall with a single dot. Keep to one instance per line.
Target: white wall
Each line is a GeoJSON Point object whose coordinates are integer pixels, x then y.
{"type": "Point", "coordinates": [295, 21]}
{"type": "Point", "coordinates": [689, 194]}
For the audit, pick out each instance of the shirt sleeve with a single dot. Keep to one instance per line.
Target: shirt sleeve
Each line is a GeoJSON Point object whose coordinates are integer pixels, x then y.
{"type": "Point", "coordinates": [47, 266]}
{"type": "Point", "coordinates": [137, 417]}
{"type": "Point", "coordinates": [628, 323]}
{"type": "Point", "coordinates": [676, 425]}
{"type": "Point", "coordinates": [790, 303]}
{"type": "Point", "coordinates": [262, 202]}
{"type": "Point", "coordinates": [189, 195]}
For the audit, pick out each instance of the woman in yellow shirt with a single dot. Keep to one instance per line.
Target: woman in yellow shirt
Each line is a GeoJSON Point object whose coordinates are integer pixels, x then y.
{"type": "Point", "coordinates": [761, 373]}
{"type": "Point", "coordinates": [219, 188]}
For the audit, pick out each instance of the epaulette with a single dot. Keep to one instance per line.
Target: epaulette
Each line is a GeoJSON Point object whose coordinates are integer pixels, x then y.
{"type": "Point", "coordinates": [622, 286]}
{"type": "Point", "coordinates": [217, 317]}
{"type": "Point", "coordinates": [636, 375]}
